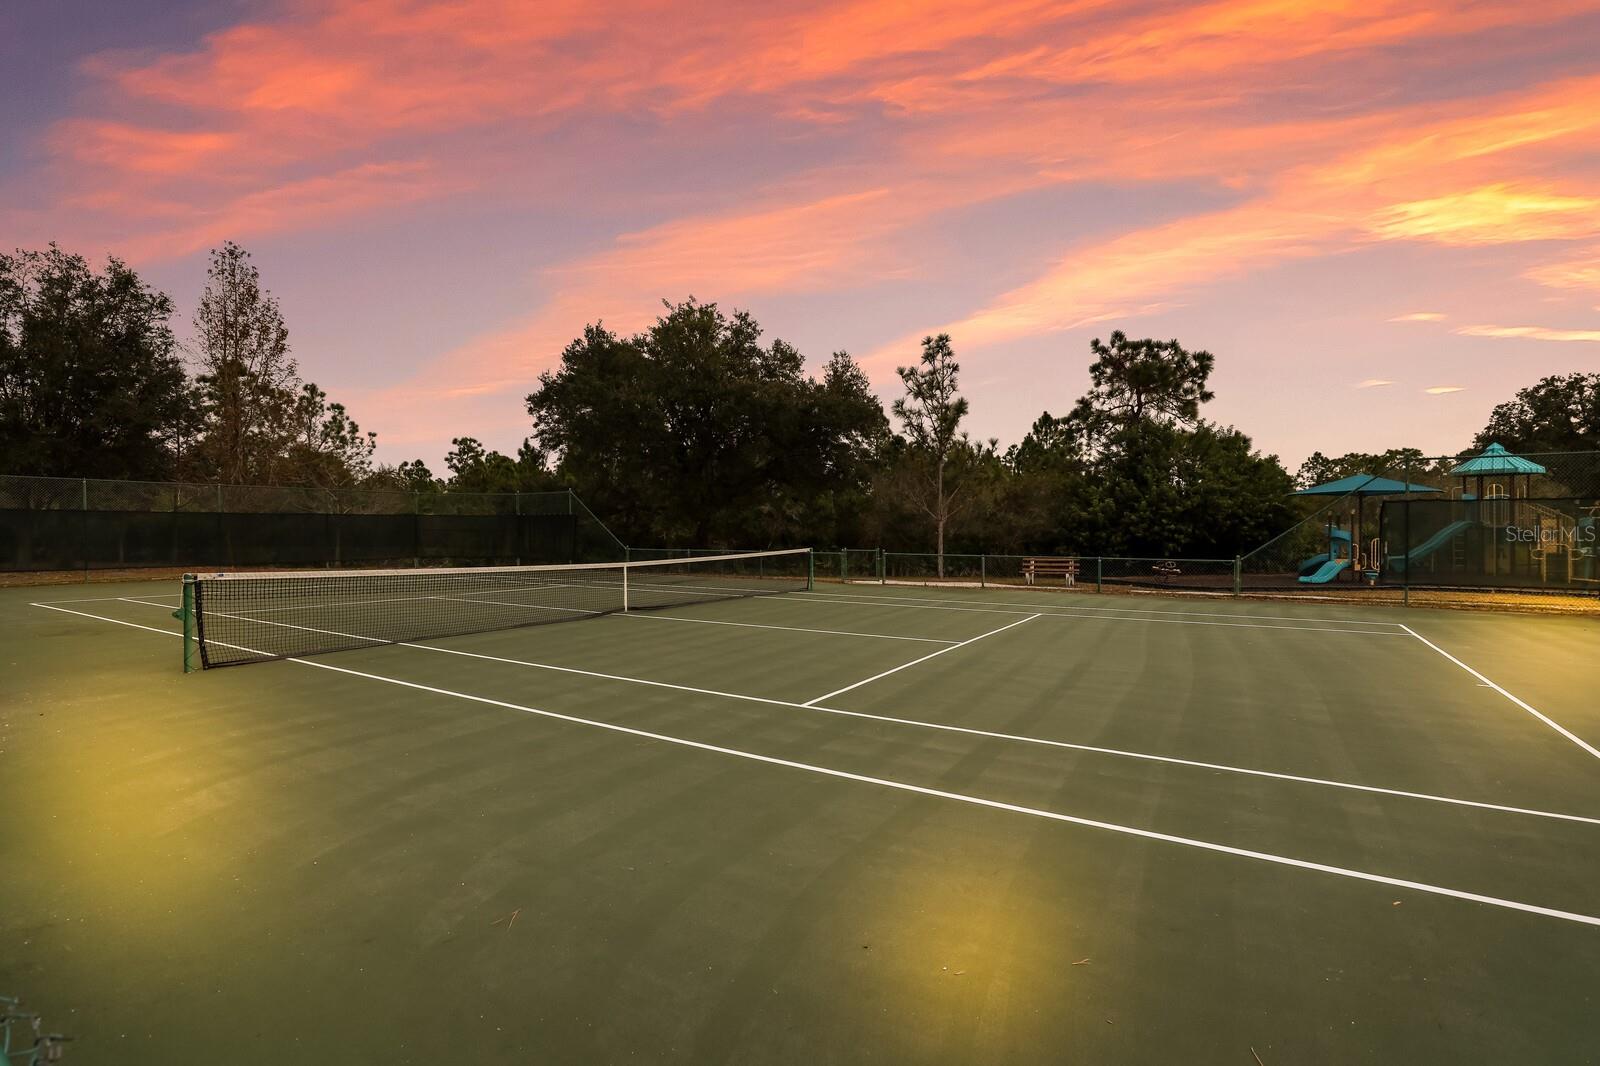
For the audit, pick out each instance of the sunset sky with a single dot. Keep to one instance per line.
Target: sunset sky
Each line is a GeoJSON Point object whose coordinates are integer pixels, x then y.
{"type": "Point", "coordinates": [1382, 217]}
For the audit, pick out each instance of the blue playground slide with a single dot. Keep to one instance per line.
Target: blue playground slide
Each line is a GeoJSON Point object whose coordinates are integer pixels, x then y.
{"type": "Point", "coordinates": [1329, 570]}
{"type": "Point", "coordinates": [1397, 563]}
{"type": "Point", "coordinates": [1313, 564]}
{"type": "Point", "coordinates": [1336, 537]}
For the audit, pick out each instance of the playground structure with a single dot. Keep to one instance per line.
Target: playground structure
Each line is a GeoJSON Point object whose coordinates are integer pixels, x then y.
{"type": "Point", "coordinates": [1504, 522]}
{"type": "Point", "coordinates": [1347, 552]}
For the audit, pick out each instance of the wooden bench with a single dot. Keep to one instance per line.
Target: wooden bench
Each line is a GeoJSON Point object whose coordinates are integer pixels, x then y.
{"type": "Point", "coordinates": [1049, 566]}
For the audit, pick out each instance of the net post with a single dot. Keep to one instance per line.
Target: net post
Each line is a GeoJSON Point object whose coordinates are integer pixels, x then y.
{"type": "Point", "coordinates": [1236, 577]}
{"type": "Point", "coordinates": [625, 569]}
{"type": "Point", "coordinates": [186, 616]}
{"type": "Point", "coordinates": [811, 569]}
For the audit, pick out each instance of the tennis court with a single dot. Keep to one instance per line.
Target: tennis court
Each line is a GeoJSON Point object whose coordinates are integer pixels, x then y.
{"type": "Point", "coordinates": [850, 823]}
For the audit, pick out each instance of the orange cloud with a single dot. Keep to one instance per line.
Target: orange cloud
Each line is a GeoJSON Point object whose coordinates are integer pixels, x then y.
{"type": "Point", "coordinates": [1494, 214]}
{"type": "Point", "coordinates": [1280, 129]}
{"type": "Point", "coordinates": [1538, 333]}
{"type": "Point", "coordinates": [1318, 209]}
{"type": "Point", "coordinates": [295, 204]}
{"type": "Point", "coordinates": [1580, 273]}
{"type": "Point", "coordinates": [144, 150]}
{"type": "Point", "coordinates": [1420, 316]}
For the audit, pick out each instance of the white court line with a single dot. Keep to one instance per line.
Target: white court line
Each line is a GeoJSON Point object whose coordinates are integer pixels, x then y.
{"type": "Point", "coordinates": [925, 658]}
{"type": "Point", "coordinates": [1019, 738]}
{"type": "Point", "coordinates": [1563, 730]}
{"type": "Point", "coordinates": [814, 598]}
{"type": "Point", "coordinates": [570, 610]}
{"type": "Point", "coordinates": [957, 797]}
{"type": "Point", "coordinates": [90, 599]}
{"type": "Point", "coordinates": [787, 629]}
{"type": "Point", "coordinates": [421, 597]}
{"type": "Point", "coordinates": [945, 728]}
{"type": "Point", "coordinates": [501, 603]}
{"type": "Point", "coordinates": [1046, 607]}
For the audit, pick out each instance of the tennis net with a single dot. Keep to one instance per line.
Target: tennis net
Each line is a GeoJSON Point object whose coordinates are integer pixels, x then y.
{"type": "Point", "coordinates": [255, 616]}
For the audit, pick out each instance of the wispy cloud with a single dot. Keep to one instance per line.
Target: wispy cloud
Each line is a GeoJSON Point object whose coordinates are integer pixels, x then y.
{"type": "Point", "coordinates": [1443, 390]}
{"type": "Point", "coordinates": [1373, 383]}
{"type": "Point", "coordinates": [1493, 214]}
{"type": "Point", "coordinates": [1538, 333]}
{"type": "Point", "coordinates": [1581, 272]}
{"type": "Point", "coordinates": [1002, 169]}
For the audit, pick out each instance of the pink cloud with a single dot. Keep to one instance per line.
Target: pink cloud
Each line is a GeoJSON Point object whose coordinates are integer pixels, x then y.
{"type": "Point", "coordinates": [838, 141]}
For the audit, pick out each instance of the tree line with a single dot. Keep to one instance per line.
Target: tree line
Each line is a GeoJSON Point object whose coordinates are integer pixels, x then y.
{"type": "Point", "coordinates": [692, 432]}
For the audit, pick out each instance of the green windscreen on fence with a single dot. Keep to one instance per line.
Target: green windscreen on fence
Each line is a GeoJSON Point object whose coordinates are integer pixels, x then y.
{"type": "Point", "coordinates": [67, 524]}
{"type": "Point", "coordinates": [1550, 543]}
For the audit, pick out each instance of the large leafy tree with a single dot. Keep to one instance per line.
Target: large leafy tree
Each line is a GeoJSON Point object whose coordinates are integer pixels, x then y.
{"type": "Point", "coordinates": [1558, 414]}
{"type": "Point", "coordinates": [693, 431]}
{"type": "Point", "coordinates": [1136, 470]}
{"type": "Point", "coordinates": [90, 381]}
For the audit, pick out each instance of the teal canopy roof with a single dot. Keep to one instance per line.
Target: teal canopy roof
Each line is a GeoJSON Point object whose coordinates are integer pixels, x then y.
{"type": "Point", "coordinates": [1496, 460]}
{"type": "Point", "coordinates": [1364, 485]}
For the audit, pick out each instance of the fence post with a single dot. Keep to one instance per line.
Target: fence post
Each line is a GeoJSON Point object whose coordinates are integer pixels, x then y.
{"type": "Point", "coordinates": [983, 571]}
{"type": "Point", "coordinates": [844, 566]}
{"type": "Point", "coordinates": [811, 568]}
{"type": "Point", "coordinates": [1099, 574]}
{"type": "Point", "coordinates": [883, 571]}
{"type": "Point", "coordinates": [1236, 577]}
{"type": "Point", "coordinates": [1405, 550]}
{"type": "Point", "coordinates": [84, 525]}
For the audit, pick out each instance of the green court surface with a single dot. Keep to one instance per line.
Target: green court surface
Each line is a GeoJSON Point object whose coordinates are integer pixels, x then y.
{"type": "Point", "coordinates": [859, 824]}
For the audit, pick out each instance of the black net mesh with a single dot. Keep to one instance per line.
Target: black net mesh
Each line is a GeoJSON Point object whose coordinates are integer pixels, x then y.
{"type": "Point", "coordinates": [249, 617]}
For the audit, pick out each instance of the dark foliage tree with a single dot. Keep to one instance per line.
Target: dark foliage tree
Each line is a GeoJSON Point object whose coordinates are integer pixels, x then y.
{"type": "Point", "coordinates": [327, 448]}
{"type": "Point", "coordinates": [1558, 414]}
{"type": "Point", "coordinates": [474, 468]}
{"type": "Point", "coordinates": [262, 423]}
{"type": "Point", "coordinates": [693, 432]}
{"type": "Point", "coordinates": [1394, 463]}
{"type": "Point", "coordinates": [1134, 382]}
{"type": "Point", "coordinates": [248, 380]}
{"type": "Point", "coordinates": [940, 456]}
{"type": "Point", "coordinates": [90, 381]}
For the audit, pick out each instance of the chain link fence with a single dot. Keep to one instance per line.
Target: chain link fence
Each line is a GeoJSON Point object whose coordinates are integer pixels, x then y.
{"type": "Point", "coordinates": [56, 524]}
{"type": "Point", "coordinates": [1490, 527]}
